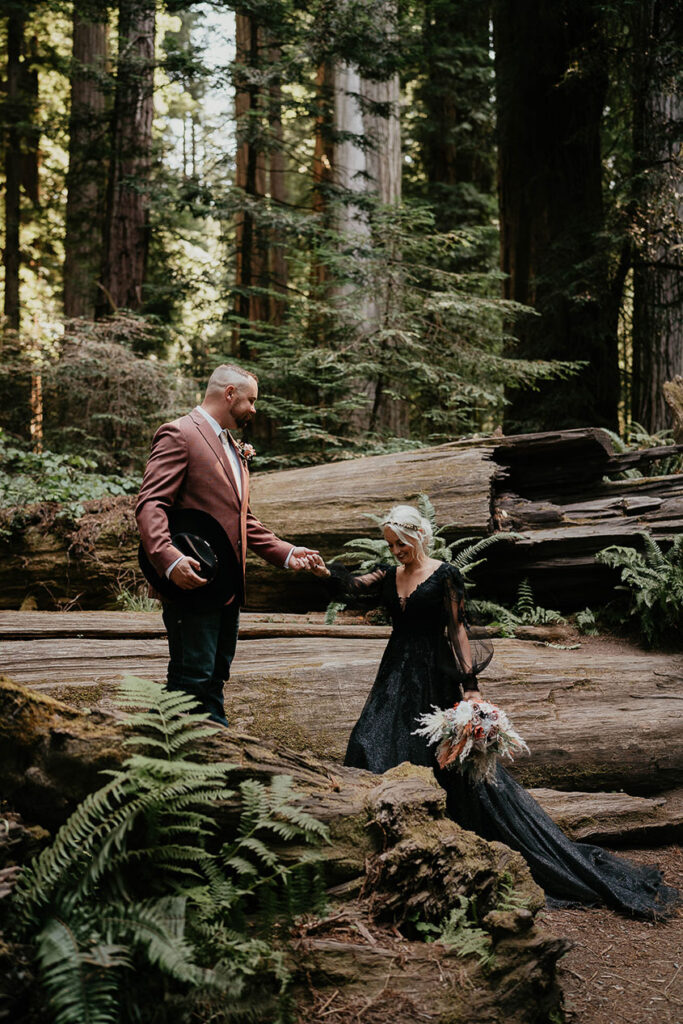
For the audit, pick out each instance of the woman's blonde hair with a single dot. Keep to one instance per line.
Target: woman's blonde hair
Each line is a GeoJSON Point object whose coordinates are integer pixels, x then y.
{"type": "Point", "coordinates": [410, 526]}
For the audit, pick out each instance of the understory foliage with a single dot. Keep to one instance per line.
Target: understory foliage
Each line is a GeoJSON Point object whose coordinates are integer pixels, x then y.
{"type": "Point", "coordinates": [652, 580]}
{"type": "Point", "coordinates": [637, 438]}
{"type": "Point", "coordinates": [387, 325]}
{"type": "Point", "coordinates": [142, 910]}
{"type": "Point", "coordinates": [461, 931]}
{"type": "Point", "coordinates": [28, 477]}
{"type": "Point", "coordinates": [95, 391]}
{"type": "Point", "coordinates": [524, 612]}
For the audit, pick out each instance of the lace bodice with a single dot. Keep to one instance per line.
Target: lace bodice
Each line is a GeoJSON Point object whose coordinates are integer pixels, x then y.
{"type": "Point", "coordinates": [435, 607]}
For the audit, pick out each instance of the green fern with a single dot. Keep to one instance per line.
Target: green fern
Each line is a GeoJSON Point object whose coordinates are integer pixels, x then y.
{"type": "Point", "coordinates": [530, 614]}
{"type": "Point", "coordinates": [332, 610]}
{"type": "Point", "coordinates": [138, 886]}
{"type": "Point", "coordinates": [653, 581]}
{"type": "Point", "coordinates": [586, 622]}
{"type": "Point", "coordinates": [638, 438]}
{"type": "Point", "coordinates": [525, 612]}
{"type": "Point", "coordinates": [462, 934]}
{"type": "Point", "coordinates": [507, 897]}
{"type": "Point", "coordinates": [80, 977]}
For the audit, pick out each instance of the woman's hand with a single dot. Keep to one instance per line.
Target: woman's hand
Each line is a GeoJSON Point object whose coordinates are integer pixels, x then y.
{"type": "Point", "coordinates": [318, 568]}
{"type": "Point", "coordinates": [472, 695]}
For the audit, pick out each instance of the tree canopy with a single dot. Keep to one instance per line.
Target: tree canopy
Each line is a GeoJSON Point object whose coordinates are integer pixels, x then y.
{"type": "Point", "coordinates": [412, 220]}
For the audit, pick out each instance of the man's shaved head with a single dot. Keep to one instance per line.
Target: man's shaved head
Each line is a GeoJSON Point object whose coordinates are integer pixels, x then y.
{"type": "Point", "coordinates": [226, 374]}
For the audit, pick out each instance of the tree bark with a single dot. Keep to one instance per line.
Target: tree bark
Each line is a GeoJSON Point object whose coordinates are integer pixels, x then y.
{"type": "Point", "coordinates": [86, 177]}
{"type": "Point", "coordinates": [14, 114]}
{"type": "Point", "coordinates": [551, 86]}
{"type": "Point", "coordinates": [456, 140]}
{"type": "Point", "coordinates": [658, 171]}
{"type": "Point", "coordinates": [261, 269]}
{"type": "Point", "coordinates": [127, 220]}
{"type": "Point", "coordinates": [373, 168]}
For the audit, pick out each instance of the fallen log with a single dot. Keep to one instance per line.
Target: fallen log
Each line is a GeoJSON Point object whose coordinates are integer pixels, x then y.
{"type": "Point", "coordinates": [50, 759]}
{"type": "Point", "coordinates": [149, 625]}
{"type": "Point", "coordinates": [598, 717]}
{"type": "Point", "coordinates": [615, 818]}
{"type": "Point", "coordinates": [549, 488]}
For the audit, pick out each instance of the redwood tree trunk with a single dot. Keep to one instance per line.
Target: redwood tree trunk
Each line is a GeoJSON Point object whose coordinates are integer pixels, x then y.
{"type": "Point", "coordinates": [455, 138]}
{"type": "Point", "coordinates": [13, 165]}
{"type": "Point", "coordinates": [86, 178]}
{"type": "Point", "coordinates": [278, 192]}
{"type": "Point", "coordinates": [261, 270]}
{"type": "Point", "coordinates": [127, 226]}
{"type": "Point", "coordinates": [551, 87]}
{"type": "Point", "coordinates": [658, 264]}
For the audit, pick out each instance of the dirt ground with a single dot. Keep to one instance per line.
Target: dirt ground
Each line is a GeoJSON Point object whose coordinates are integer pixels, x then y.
{"type": "Point", "coordinates": [619, 971]}
{"type": "Point", "coordinates": [623, 971]}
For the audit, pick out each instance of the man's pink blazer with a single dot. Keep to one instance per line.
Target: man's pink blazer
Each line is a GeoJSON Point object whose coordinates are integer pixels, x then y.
{"type": "Point", "coordinates": [189, 468]}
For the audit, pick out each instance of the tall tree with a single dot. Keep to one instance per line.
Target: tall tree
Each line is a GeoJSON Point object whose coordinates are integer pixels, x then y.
{"type": "Point", "coordinates": [126, 225]}
{"type": "Point", "coordinates": [455, 131]}
{"type": "Point", "coordinates": [658, 231]}
{"type": "Point", "coordinates": [261, 270]}
{"type": "Point", "coordinates": [550, 84]}
{"type": "Point", "coordinates": [366, 162]}
{"type": "Point", "coordinates": [14, 117]}
{"type": "Point", "coordinates": [88, 143]}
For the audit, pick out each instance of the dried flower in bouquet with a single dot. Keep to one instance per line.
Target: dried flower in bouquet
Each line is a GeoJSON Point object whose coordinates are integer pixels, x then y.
{"type": "Point", "coordinates": [471, 736]}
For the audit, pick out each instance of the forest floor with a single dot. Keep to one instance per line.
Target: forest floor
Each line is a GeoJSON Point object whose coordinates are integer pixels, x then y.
{"type": "Point", "coordinates": [623, 971]}
{"type": "Point", "coordinates": [618, 971]}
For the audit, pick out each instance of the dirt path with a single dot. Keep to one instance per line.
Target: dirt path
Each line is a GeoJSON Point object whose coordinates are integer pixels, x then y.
{"type": "Point", "coordinates": [622, 971]}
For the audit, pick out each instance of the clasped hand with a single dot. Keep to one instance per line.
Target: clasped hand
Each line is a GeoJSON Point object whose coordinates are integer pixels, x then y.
{"type": "Point", "coordinates": [185, 573]}
{"type": "Point", "coordinates": [305, 558]}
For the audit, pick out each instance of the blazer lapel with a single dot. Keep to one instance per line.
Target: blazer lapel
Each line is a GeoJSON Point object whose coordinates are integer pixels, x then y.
{"type": "Point", "coordinates": [241, 467]}
{"type": "Point", "coordinates": [216, 446]}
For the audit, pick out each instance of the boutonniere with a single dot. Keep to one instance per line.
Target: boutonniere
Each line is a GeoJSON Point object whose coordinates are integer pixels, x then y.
{"type": "Point", "coordinates": [246, 451]}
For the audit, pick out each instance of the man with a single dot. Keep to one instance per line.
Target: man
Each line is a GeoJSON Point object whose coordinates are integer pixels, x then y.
{"type": "Point", "coordinates": [194, 463]}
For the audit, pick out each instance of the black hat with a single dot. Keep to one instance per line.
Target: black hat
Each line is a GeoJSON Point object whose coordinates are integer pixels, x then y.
{"type": "Point", "coordinates": [199, 535]}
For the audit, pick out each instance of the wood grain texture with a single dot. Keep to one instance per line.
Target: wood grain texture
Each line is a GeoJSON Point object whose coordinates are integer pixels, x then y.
{"type": "Point", "coordinates": [605, 716]}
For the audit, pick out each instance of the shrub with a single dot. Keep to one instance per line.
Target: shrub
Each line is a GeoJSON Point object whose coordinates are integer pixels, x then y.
{"type": "Point", "coordinates": [653, 582]}
{"type": "Point", "coordinates": [140, 910]}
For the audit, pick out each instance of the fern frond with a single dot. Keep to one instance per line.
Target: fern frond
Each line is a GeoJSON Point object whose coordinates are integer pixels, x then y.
{"type": "Point", "coordinates": [158, 928]}
{"type": "Point", "coordinates": [79, 981]}
{"type": "Point", "coordinates": [470, 548]}
{"type": "Point", "coordinates": [525, 598]}
{"type": "Point", "coordinates": [332, 610]}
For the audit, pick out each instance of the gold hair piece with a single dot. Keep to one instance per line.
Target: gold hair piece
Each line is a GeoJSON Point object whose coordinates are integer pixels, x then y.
{"type": "Point", "coordinates": [401, 526]}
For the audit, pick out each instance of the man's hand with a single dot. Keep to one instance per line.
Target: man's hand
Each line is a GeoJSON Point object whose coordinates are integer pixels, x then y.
{"type": "Point", "coordinates": [304, 558]}
{"type": "Point", "coordinates": [184, 576]}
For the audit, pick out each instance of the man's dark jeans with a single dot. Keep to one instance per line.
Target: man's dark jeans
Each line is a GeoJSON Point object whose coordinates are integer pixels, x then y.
{"type": "Point", "coordinates": [201, 646]}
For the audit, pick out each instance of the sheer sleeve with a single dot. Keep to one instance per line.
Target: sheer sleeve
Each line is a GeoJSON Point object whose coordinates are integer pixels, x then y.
{"type": "Point", "coordinates": [471, 656]}
{"type": "Point", "coordinates": [365, 588]}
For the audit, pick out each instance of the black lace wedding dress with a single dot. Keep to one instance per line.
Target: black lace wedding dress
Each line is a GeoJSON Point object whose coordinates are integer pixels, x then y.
{"type": "Point", "coordinates": [429, 661]}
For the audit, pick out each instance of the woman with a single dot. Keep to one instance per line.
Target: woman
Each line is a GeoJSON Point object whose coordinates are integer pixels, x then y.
{"type": "Point", "coordinates": [430, 660]}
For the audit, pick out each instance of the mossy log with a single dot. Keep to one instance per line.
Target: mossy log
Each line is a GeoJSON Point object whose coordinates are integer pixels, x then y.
{"type": "Point", "coordinates": [381, 828]}
{"type": "Point", "coordinates": [550, 488]}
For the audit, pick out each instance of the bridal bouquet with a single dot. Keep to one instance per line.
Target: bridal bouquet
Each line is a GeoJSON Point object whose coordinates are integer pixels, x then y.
{"type": "Point", "coordinates": [471, 735]}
